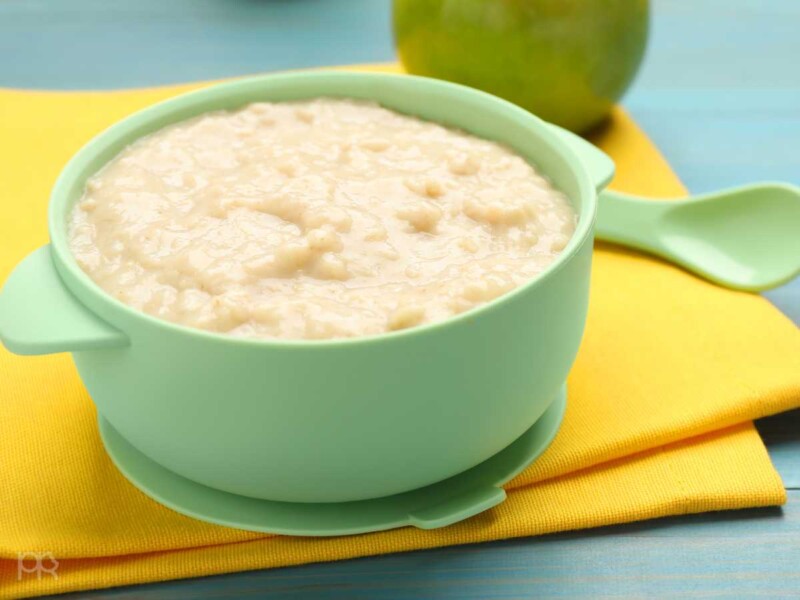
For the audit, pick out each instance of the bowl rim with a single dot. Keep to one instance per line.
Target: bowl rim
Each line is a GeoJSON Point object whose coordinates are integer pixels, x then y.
{"type": "Point", "coordinates": [92, 296]}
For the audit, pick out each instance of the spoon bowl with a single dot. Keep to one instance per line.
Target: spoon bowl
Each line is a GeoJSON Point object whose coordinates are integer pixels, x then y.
{"type": "Point", "coordinates": [746, 238]}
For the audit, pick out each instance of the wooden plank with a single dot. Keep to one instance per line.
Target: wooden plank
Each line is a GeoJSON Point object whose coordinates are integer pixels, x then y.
{"type": "Point", "coordinates": [96, 44]}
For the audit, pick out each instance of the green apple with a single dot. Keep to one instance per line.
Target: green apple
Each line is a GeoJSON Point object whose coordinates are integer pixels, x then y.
{"type": "Point", "coordinates": [566, 61]}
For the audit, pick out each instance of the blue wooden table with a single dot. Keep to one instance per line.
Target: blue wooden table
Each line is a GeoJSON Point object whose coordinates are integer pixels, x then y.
{"type": "Point", "coordinates": [720, 95]}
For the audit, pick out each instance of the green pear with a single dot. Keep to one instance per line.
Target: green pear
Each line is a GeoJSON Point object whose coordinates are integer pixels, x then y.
{"type": "Point", "coordinates": [566, 61]}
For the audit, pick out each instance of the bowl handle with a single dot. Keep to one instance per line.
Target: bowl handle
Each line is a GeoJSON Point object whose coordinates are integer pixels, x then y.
{"type": "Point", "coordinates": [39, 315]}
{"type": "Point", "coordinates": [596, 162]}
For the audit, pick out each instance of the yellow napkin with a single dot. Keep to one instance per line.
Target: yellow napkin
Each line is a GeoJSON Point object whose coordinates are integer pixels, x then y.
{"type": "Point", "coordinates": [670, 374]}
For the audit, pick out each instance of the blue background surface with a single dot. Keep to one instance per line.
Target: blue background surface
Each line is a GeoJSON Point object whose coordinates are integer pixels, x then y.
{"type": "Point", "coordinates": [720, 95]}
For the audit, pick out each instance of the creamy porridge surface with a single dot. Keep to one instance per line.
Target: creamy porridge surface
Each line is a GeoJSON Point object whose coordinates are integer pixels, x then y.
{"type": "Point", "coordinates": [316, 219]}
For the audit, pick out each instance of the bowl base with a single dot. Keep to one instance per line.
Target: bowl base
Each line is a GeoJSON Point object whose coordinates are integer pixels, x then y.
{"type": "Point", "coordinates": [443, 503]}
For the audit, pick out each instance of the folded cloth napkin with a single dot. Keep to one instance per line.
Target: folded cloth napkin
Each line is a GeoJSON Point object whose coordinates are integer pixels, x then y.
{"type": "Point", "coordinates": [671, 372]}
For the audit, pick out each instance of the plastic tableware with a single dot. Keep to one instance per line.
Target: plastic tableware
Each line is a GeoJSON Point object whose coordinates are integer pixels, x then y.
{"type": "Point", "coordinates": [437, 505]}
{"type": "Point", "coordinates": [745, 238]}
{"type": "Point", "coordinates": [418, 427]}
{"type": "Point", "coordinates": [334, 421]}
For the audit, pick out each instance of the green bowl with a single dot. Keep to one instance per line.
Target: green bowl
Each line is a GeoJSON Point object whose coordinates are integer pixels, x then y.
{"type": "Point", "coordinates": [319, 421]}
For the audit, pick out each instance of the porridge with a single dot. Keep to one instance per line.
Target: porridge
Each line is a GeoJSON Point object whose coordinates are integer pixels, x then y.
{"type": "Point", "coordinates": [316, 219]}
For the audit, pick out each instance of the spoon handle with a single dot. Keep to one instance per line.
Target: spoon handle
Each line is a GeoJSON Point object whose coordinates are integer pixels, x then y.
{"type": "Point", "coordinates": [631, 221]}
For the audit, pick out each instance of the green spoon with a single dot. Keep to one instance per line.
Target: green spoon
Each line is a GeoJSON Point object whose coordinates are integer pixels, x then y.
{"type": "Point", "coordinates": [746, 238]}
